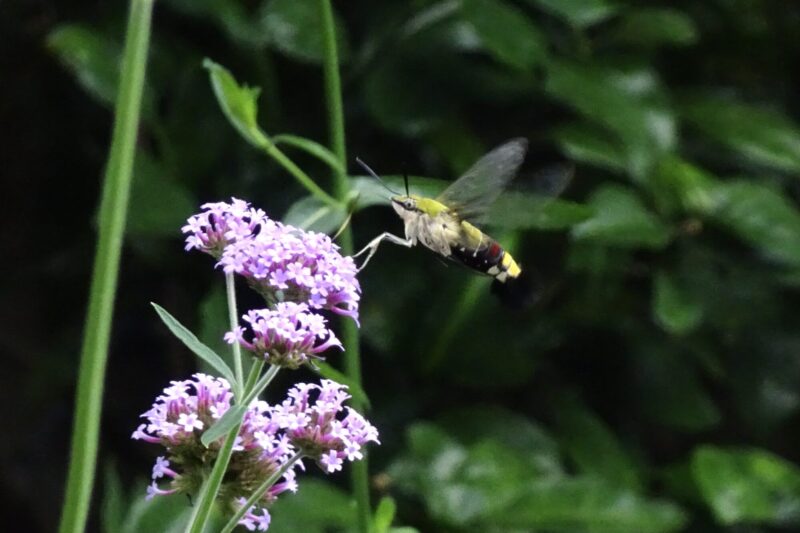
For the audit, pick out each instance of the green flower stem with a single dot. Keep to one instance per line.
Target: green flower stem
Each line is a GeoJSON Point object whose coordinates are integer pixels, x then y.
{"type": "Point", "coordinates": [233, 317]}
{"type": "Point", "coordinates": [208, 493]}
{"type": "Point", "coordinates": [203, 506]}
{"type": "Point", "coordinates": [113, 212]}
{"type": "Point", "coordinates": [255, 371]}
{"type": "Point", "coordinates": [350, 340]}
{"type": "Point", "coordinates": [266, 144]}
{"type": "Point", "coordinates": [259, 387]}
{"type": "Point", "coordinates": [259, 492]}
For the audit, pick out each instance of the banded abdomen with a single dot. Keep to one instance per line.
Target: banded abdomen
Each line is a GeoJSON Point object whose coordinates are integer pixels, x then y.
{"type": "Point", "coordinates": [480, 252]}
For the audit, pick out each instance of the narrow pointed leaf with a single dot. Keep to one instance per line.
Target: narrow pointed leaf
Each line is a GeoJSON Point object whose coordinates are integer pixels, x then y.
{"type": "Point", "coordinates": [193, 343]}
{"type": "Point", "coordinates": [238, 102]}
{"type": "Point", "coordinates": [506, 32]}
{"type": "Point", "coordinates": [224, 425]}
{"type": "Point", "coordinates": [748, 485]}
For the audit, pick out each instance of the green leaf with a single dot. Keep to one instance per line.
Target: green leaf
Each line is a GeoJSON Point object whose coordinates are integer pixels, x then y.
{"type": "Point", "coordinates": [193, 343]}
{"type": "Point", "coordinates": [674, 307]}
{"type": "Point", "coordinates": [311, 213]}
{"type": "Point", "coordinates": [506, 32]}
{"type": "Point", "coordinates": [295, 28]}
{"type": "Point", "coordinates": [517, 210]}
{"type": "Point", "coordinates": [328, 372]}
{"type": "Point", "coordinates": [312, 147]}
{"type": "Point", "coordinates": [593, 447]}
{"type": "Point", "coordinates": [587, 505]}
{"type": "Point", "coordinates": [384, 515]}
{"type": "Point", "coordinates": [475, 423]}
{"type": "Point", "coordinates": [760, 216]}
{"type": "Point", "coordinates": [656, 27]}
{"type": "Point", "coordinates": [579, 13]}
{"type": "Point", "coordinates": [238, 103]}
{"type": "Point", "coordinates": [748, 486]}
{"type": "Point", "coordinates": [621, 220]}
{"type": "Point", "coordinates": [680, 182]}
{"type": "Point", "coordinates": [93, 59]}
{"type": "Point", "coordinates": [224, 425]}
{"type": "Point", "coordinates": [629, 103]}
{"type": "Point", "coordinates": [757, 135]}
{"type": "Point", "coordinates": [587, 143]}
{"type": "Point", "coordinates": [464, 484]}
{"type": "Point", "coordinates": [159, 204]}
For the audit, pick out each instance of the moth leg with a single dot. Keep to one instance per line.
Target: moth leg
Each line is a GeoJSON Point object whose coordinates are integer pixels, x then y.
{"type": "Point", "coordinates": [372, 247]}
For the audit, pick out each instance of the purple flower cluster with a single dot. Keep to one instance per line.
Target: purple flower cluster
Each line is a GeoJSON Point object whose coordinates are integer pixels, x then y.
{"type": "Point", "coordinates": [310, 417]}
{"type": "Point", "coordinates": [281, 262]}
{"type": "Point", "coordinates": [220, 224]}
{"type": "Point", "coordinates": [179, 417]}
{"type": "Point", "coordinates": [298, 273]}
{"type": "Point", "coordinates": [312, 420]}
{"type": "Point", "coordinates": [287, 336]}
{"type": "Point", "coordinates": [289, 264]}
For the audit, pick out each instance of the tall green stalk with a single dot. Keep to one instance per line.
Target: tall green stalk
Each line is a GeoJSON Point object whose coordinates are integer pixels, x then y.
{"type": "Point", "coordinates": [333, 94]}
{"type": "Point", "coordinates": [113, 212]}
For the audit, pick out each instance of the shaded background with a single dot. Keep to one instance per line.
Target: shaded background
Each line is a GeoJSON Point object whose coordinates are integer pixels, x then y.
{"type": "Point", "coordinates": [653, 387]}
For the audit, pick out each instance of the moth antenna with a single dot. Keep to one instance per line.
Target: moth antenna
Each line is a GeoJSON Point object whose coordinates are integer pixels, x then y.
{"type": "Point", "coordinates": [405, 180]}
{"type": "Point", "coordinates": [374, 175]}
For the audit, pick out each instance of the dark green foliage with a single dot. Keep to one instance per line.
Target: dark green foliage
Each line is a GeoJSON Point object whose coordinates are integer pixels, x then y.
{"type": "Point", "coordinates": [654, 386]}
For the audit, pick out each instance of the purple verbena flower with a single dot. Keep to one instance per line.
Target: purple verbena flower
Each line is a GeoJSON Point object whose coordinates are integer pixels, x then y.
{"type": "Point", "coordinates": [285, 263]}
{"type": "Point", "coordinates": [288, 335]}
{"type": "Point", "coordinates": [221, 223]}
{"type": "Point", "coordinates": [318, 424]}
{"type": "Point", "coordinates": [252, 521]}
{"type": "Point", "coordinates": [177, 420]}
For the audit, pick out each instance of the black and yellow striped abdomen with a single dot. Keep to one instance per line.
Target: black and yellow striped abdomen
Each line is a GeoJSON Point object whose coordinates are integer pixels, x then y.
{"type": "Point", "coordinates": [487, 256]}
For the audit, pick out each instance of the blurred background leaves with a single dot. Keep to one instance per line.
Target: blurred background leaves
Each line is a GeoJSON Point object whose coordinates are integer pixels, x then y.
{"type": "Point", "coordinates": [655, 384]}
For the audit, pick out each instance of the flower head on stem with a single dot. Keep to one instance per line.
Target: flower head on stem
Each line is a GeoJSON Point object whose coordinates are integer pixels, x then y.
{"type": "Point", "coordinates": [287, 336]}
{"type": "Point", "coordinates": [284, 263]}
{"type": "Point", "coordinates": [319, 425]}
{"type": "Point", "coordinates": [220, 224]}
{"type": "Point", "coordinates": [177, 420]}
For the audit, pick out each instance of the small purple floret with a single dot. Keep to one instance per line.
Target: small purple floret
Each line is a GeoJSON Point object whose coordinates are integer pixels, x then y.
{"type": "Point", "coordinates": [288, 335]}
{"type": "Point", "coordinates": [221, 223]}
{"type": "Point", "coordinates": [317, 426]}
